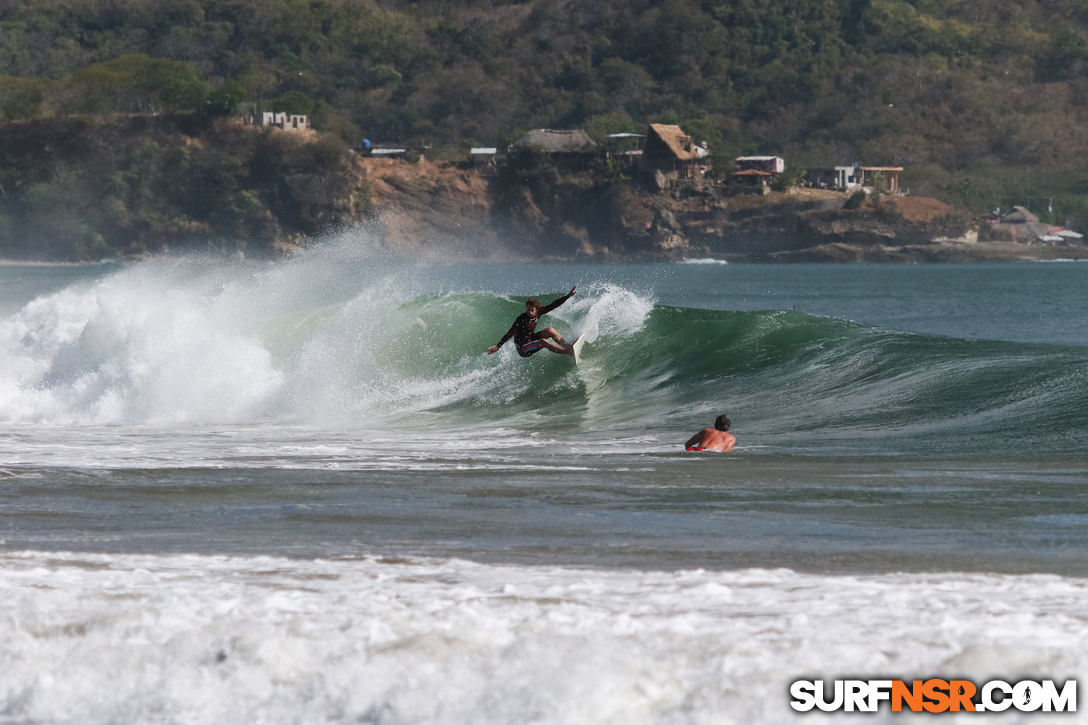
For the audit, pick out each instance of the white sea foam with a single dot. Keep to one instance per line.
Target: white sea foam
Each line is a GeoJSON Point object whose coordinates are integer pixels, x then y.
{"type": "Point", "coordinates": [703, 260]}
{"type": "Point", "coordinates": [195, 341]}
{"type": "Point", "coordinates": [137, 638]}
{"type": "Point", "coordinates": [608, 309]}
{"type": "Point", "coordinates": [149, 344]}
{"type": "Point", "coordinates": [332, 338]}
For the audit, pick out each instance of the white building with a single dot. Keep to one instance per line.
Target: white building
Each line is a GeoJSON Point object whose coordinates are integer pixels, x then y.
{"type": "Point", "coordinates": [286, 121]}
{"type": "Point", "coordinates": [847, 177]}
{"type": "Point", "coordinates": [770, 164]}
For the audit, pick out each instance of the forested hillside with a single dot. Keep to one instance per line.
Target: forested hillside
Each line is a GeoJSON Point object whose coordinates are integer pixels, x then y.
{"type": "Point", "coordinates": [79, 189]}
{"type": "Point", "coordinates": [983, 101]}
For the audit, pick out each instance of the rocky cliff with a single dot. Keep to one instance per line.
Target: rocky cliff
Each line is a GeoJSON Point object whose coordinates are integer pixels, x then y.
{"type": "Point", "coordinates": [76, 189]}
{"type": "Point", "coordinates": [447, 209]}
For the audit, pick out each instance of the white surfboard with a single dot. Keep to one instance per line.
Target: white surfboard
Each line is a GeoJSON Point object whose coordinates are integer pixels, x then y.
{"type": "Point", "coordinates": [577, 347]}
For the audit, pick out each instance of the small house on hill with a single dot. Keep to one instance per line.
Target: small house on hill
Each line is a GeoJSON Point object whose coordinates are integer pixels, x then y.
{"type": "Point", "coordinates": [751, 180]}
{"type": "Point", "coordinates": [854, 176]}
{"type": "Point", "coordinates": [625, 148]}
{"type": "Point", "coordinates": [1019, 215]}
{"type": "Point", "coordinates": [770, 164]}
{"type": "Point", "coordinates": [556, 142]}
{"type": "Point", "coordinates": [670, 156]}
{"type": "Point", "coordinates": [890, 175]}
{"type": "Point", "coordinates": [755, 172]}
{"type": "Point", "coordinates": [1020, 225]}
{"type": "Point", "coordinates": [829, 177]}
{"type": "Point", "coordinates": [388, 152]}
{"type": "Point", "coordinates": [572, 150]}
{"type": "Point", "coordinates": [285, 121]}
{"type": "Point", "coordinates": [483, 158]}
{"type": "Point", "coordinates": [1023, 226]}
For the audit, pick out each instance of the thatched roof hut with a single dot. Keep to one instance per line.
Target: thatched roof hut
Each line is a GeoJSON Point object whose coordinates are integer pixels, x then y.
{"type": "Point", "coordinates": [1019, 215]}
{"type": "Point", "coordinates": [671, 137]}
{"type": "Point", "coordinates": [552, 141]}
{"type": "Point", "coordinates": [671, 155]}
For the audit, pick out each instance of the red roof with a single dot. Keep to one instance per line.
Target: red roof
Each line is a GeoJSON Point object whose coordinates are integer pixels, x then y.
{"type": "Point", "coordinates": [752, 172]}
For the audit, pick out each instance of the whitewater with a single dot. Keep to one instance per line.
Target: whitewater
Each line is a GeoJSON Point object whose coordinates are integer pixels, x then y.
{"type": "Point", "coordinates": [300, 491]}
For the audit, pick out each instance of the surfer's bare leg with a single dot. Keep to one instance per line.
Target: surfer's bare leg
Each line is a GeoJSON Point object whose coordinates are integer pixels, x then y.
{"type": "Point", "coordinates": [552, 340]}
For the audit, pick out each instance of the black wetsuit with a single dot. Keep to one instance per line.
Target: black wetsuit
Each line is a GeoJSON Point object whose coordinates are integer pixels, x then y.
{"type": "Point", "coordinates": [526, 338]}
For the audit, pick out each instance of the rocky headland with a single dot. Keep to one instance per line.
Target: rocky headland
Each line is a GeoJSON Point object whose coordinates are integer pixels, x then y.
{"type": "Point", "coordinates": [84, 189]}
{"type": "Point", "coordinates": [445, 209]}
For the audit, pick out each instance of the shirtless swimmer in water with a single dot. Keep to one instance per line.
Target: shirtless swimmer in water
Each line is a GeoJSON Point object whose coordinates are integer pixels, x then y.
{"type": "Point", "coordinates": [717, 439]}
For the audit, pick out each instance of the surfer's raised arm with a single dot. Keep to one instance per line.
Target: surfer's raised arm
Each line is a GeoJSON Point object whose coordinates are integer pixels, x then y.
{"type": "Point", "coordinates": [526, 337]}
{"type": "Point", "coordinates": [548, 308]}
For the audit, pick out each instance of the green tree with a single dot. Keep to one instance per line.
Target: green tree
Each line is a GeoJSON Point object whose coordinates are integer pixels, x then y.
{"type": "Point", "coordinates": [137, 83]}
{"type": "Point", "coordinates": [791, 178]}
{"type": "Point", "coordinates": [225, 100]}
{"type": "Point", "coordinates": [293, 102]}
{"type": "Point", "coordinates": [20, 98]}
{"type": "Point", "coordinates": [603, 124]}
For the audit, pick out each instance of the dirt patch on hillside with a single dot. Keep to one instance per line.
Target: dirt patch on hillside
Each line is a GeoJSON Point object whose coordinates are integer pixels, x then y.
{"type": "Point", "coordinates": [432, 209]}
{"type": "Point", "coordinates": [916, 208]}
{"type": "Point", "coordinates": [774, 198]}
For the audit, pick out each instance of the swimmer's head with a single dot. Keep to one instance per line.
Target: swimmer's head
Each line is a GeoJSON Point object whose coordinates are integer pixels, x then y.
{"type": "Point", "coordinates": [532, 305]}
{"type": "Point", "coordinates": [722, 423]}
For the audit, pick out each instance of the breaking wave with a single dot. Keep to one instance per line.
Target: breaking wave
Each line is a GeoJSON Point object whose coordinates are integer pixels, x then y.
{"type": "Point", "coordinates": [319, 341]}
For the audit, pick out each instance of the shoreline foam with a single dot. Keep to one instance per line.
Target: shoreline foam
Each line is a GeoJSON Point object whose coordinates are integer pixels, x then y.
{"type": "Point", "coordinates": [114, 638]}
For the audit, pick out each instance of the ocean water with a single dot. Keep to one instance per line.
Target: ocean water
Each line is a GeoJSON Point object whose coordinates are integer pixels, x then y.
{"type": "Point", "coordinates": [300, 492]}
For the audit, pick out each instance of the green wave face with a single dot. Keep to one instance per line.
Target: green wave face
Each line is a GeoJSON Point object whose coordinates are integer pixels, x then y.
{"type": "Point", "coordinates": [801, 379]}
{"type": "Point", "coordinates": [306, 343]}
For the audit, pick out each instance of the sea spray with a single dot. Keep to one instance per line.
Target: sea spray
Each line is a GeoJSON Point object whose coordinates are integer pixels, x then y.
{"type": "Point", "coordinates": [603, 308]}
{"type": "Point", "coordinates": [147, 344]}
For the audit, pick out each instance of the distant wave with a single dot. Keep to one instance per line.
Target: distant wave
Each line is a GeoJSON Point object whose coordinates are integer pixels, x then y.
{"type": "Point", "coordinates": [703, 260]}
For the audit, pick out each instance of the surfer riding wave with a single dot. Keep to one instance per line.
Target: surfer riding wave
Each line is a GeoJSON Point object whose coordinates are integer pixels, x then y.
{"type": "Point", "coordinates": [526, 337]}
